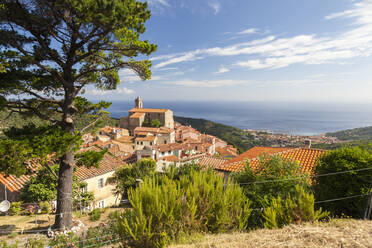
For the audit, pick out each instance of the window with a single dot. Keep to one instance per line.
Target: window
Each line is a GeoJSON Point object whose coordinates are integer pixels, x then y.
{"type": "Point", "coordinates": [150, 143]}
{"type": "Point", "coordinates": [141, 143]}
{"type": "Point", "coordinates": [101, 204]}
{"type": "Point", "coordinates": [169, 152]}
{"type": "Point", "coordinates": [162, 153]}
{"type": "Point", "coordinates": [165, 142]}
{"type": "Point", "coordinates": [100, 183]}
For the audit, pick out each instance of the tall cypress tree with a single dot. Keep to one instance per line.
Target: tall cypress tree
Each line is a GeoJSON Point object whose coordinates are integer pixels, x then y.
{"type": "Point", "coordinates": [49, 51]}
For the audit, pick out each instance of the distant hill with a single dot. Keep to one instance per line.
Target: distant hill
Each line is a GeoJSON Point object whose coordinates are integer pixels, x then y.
{"type": "Point", "coordinates": [363, 133]}
{"type": "Point", "coordinates": [232, 135]}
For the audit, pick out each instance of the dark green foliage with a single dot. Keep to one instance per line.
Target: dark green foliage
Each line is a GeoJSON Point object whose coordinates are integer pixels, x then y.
{"type": "Point", "coordinates": [43, 188]}
{"type": "Point", "coordinates": [153, 123]}
{"type": "Point", "coordinates": [164, 211]}
{"type": "Point", "coordinates": [90, 158]}
{"type": "Point", "coordinates": [294, 208]}
{"type": "Point", "coordinates": [363, 133]}
{"type": "Point", "coordinates": [30, 141]}
{"type": "Point", "coordinates": [95, 214]}
{"type": "Point", "coordinates": [344, 185]}
{"type": "Point", "coordinates": [270, 168]}
{"type": "Point", "coordinates": [126, 177]}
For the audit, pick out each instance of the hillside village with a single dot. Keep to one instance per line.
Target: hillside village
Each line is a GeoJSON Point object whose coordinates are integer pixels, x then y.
{"type": "Point", "coordinates": [167, 142]}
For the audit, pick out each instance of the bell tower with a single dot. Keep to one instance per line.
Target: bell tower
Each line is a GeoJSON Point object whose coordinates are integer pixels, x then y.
{"type": "Point", "coordinates": [138, 102]}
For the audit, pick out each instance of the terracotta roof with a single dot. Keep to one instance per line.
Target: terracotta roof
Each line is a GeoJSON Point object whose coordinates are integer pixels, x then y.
{"type": "Point", "coordinates": [171, 158]}
{"type": "Point", "coordinates": [109, 163]}
{"type": "Point", "coordinates": [257, 151]}
{"type": "Point", "coordinates": [225, 152]}
{"type": "Point", "coordinates": [13, 183]}
{"type": "Point", "coordinates": [125, 139]}
{"type": "Point", "coordinates": [211, 162]}
{"type": "Point", "coordinates": [137, 115]}
{"type": "Point", "coordinates": [148, 110]}
{"type": "Point", "coordinates": [168, 147]}
{"type": "Point", "coordinates": [305, 157]}
{"type": "Point", "coordinates": [147, 138]}
{"type": "Point", "coordinates": [161, 130]}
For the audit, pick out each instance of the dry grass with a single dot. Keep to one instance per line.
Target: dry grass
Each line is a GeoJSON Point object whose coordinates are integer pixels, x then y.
{"type": "Point", "coordinates": [340, 233]}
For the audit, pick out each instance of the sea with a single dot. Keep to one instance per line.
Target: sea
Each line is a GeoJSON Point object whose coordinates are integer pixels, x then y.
{"type": "Point", "coordinates": [296, 118]}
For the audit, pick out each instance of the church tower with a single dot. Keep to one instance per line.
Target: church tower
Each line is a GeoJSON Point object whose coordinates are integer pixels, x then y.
{"type": "Point", "coordinates": [138, 102]}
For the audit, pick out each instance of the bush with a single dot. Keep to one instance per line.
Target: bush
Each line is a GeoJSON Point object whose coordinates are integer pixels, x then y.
{"type": "Point", "coordinates": [165, 209]}
{"type": "Point", "coordinates": [296, 208]}
{"type": "Point", "coordinates": [346, 184]}
{"type": "Point", "coordinates": [275, 171]}
{"type": "Point", "coordinates": [95, 214]}
{"type": "Point", "coordinates": [15, 208]}
{"type": "Point", "coordinates": [45, 207]}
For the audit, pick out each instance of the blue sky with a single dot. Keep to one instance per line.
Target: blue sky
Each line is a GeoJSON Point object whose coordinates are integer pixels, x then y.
{"type": "Point", "coordinates": [258, 50]}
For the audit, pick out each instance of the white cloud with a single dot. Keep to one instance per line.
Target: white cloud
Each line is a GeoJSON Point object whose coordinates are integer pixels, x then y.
{"type": "Point", "coordinates": [186, 57]}
{"type": "Point", "coordinates": [215, 5]}
{"type": "Point", "coordinates": [205, 83]}
{"type": "Point", "coordinates": [159, 2]}
{"type": "Point", "coordinates": [248, 31]}
{"type": "Point", "coordinates": [272, 52]}
{"type": "Point", "coordinates": [123, 90]}
{"type": "Point", "coordinates": [222, 69]}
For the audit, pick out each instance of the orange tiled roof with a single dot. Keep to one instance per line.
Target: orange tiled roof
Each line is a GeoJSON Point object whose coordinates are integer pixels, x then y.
{"type": "Point", "coordinates": [147, 138]}
{"type": "Point", "coordinates": [225, 152]}
{"type": "Point", "coordinates": [137, 115]}
{"type": "Point", "coordinates": [171, 158]}
{"type": "Point", "coordinates": [161, 130]}
{"type": "Point", "coordinates": [305, 157]}
{"type": "Point", "coordinates": [109, 163]}
{"type": "Point", "coordinates": [148, 110]}
{"type": "Point", "coordinates": [168, 147]}
{"type": "Point", "coordinates": [213, 162]}
{"type": "Point", "coordinates": [257, 151]}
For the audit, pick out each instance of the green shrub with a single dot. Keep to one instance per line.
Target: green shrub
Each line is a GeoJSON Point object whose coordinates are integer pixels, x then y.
{"type": "Point", "coordinates": [165, 209]}
{"type": "Point", "coordinates": [35, 243]}
{"type": "Point", "coordinates": [281, 176]}
{"type": "Point", "coordinates": [346, 184]}
{"type": "Point", "coordinates": [4, 244]}
{"type": "Point", "coordinates": [15, 208]}
{"type": "Point", "coordinates": [45, 207]}
{"type": "Point", "coordinates": [95, 214]}
{"type": "Point", "coordinates": [295, 208]}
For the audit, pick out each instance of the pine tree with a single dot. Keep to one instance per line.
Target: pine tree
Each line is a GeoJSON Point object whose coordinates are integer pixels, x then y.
{"type": "Point", "coordinates": [50, 51]}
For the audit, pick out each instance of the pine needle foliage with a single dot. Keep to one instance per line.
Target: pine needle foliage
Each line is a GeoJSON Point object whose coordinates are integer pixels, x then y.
{"type": "Point", "coordinates": [165, 209]}
{"type": "Point", "coordinates": [295, 208]}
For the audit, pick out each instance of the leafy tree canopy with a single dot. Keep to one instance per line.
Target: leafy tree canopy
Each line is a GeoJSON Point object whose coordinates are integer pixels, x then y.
{"type": "Point", "coordinates": [345, 184]}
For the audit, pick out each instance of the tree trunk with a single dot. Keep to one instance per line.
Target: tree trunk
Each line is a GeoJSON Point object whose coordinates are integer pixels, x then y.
{"type": "Point", "coordinates": [63, 218]}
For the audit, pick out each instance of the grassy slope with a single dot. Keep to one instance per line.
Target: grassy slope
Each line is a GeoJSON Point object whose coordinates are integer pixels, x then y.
{"type": "Point", "coordinates": [233, 135]}
{"type": "Point", "coordinates": [336, 233]}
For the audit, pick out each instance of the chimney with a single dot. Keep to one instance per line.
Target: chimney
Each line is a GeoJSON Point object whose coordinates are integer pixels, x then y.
{"type": "Point", "coordinates": [308, 143]}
